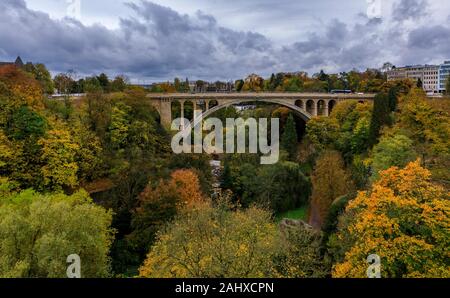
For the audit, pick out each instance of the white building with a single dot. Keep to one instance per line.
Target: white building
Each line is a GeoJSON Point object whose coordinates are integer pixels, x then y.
{"type": "Point", "coordinates": [430, 79]}
{"type": "Point", "coordinates": [428, 74]}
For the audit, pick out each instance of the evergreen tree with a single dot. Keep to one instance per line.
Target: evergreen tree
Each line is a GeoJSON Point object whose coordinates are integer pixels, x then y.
{"type": "Point", "coordinates": [447, 86]}
{"type": "Point", "coordinates": [419, 83]}
{"type": "Point", "coordinates": [393, 101]}
{"type": "Point", "coordinates": [289, 138]}
{"type": "Point", "coordinates": [380, 116]}
{"type": "Point", "coordinates": [226, 179]}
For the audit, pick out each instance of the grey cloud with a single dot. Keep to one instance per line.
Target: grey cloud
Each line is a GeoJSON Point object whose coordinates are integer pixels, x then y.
{"type": "Point", "coordinates": [155, 42]}
{"type": "Point", "coordinates": [158, 43]}
{"type": "Point", "coordinates": [339, 48]}
{"type": "Point", "coordinates": [410, 9]}
{"type": "Point", "coordinates": [429, 43]}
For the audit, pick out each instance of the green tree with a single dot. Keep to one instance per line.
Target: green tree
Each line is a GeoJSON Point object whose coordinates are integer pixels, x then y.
{"type": "Point", "coordinates": [119, 84]}
{"type": "Point", "coordinates": [447, 86]}
{"type": "Point", "coordinates": [104, 82]}
{"type": "Point", "coordinates": [119, 126]}
{"type": "Point", "coordinates": [26, 123]}
{"type": "Point", "coordinates": [322, 131]}
{"type": "Point", "coordinates": [226, 179]}
{"type": "Point", "coordinates": [381, 116]}
{"type": "Point", "coordinates": [42, 75]}
{"type": "Point", "coordinates": [238, 85]}
{"type": "Point", "coordinates": [396, 150]}
{"type": "Point", "coordinates": [282, 187]}
{"type": "Point", "coordinates": [360, 135]}
{"type": "Point", "coordinates": [38, 232]}
{"type": "Point", "coordinates": [289, 138]}
{"type": "Point", "coordinates": [299, 251]}
{"type": "Point", "coordinates": [419, 83]}
{"type": "Point", "coordinates": [393, 98]}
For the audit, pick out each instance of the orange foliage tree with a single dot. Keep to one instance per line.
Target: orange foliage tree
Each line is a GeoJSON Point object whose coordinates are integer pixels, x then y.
{"type": "Point", "coordinates": [330, 180]}
{"type": "Point", "coordinates": [187, 185]}
{"type": "Point", "coordinates": [158, 205]}
{"type": "Point", "coordinates": [25, 90]}
{"type": "Point", "coordinates": [405, 219]}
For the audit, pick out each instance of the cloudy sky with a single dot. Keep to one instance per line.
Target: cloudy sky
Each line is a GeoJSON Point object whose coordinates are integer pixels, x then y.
{"type": "Point", "coordinates": [227, 39]}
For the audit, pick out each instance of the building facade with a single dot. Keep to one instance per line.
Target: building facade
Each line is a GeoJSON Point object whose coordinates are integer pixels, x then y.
{"type": "Point", "coordinates": [427, 74]}
{"type": "Point", "coordinates": [444, 72]}
{"type": "Point", "coordinates": [430, 79]}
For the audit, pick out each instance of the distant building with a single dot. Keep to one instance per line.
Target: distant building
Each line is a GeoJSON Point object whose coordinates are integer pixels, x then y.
{"type": "Point", "coordinates": [444, 72]}
{"type": "Point", "coordinates": [428, 74]}
{"type": "Point", "coordinates": [18, 62]}
{"type": "Point", "coordinates": [430, 79]}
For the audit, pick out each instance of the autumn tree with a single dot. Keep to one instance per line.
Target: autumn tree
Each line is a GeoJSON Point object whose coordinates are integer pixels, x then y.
{"type": "Point", "coordinates": [22, 88]}
{"type": "Point", "coordinates": [156, 206]}
{"type": "Point", "coordinates": [322, 132]}
{"type": "Point", "coordinates": [428, 126]}
{"type": "Point", "coordinates": [38, 233]}
{"type": "Point", "coordinates": [42, 75]}
{"type": "Point", "coordinates": [299, 251]}
{"type": "Point", "coordinates": [209, 241]}
{"type": "Point", "coordinates": [6, 151]}
{"type": "Point", "coordinates": [63, 83]}
{"type": "Point", "coordinates": [404, 218]}
{"type": "Point", "coordinates": [253, 83]}
{"type": "Point", "coordinates": [330, 180]}
{"type": "Point", "coordinates": [187, 184]}
{"type": "Point", "coordinates": [97, 110]}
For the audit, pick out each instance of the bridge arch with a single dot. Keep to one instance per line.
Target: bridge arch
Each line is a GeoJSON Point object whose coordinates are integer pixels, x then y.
{"type": "Point", "coordinates": [299, 111]}
{"type": "Point", "coordinates": [331, 104]}
{"type": "Point", "coordinates": [321, 107]}
{"type": "Point", "coordinates": [299, 103]}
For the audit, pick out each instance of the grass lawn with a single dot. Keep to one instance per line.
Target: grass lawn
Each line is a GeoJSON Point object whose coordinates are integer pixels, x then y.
{"type": "Point", "coordinates": [299, 213]}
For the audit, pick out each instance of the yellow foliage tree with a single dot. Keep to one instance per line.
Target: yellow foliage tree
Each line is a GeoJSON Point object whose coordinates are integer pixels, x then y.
{"type": "Point", "coordinates": [58, 153]}
{"type": "Point", "coordinates": [6, 151]}
{"type": "Point", "coordinates": [405, 219]}
{"type": "Point", "coordinates": [208, 241]}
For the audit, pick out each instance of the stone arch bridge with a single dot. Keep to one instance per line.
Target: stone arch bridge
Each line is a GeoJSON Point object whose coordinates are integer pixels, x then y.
{"type": "Point", "coordinates": [306, 105]}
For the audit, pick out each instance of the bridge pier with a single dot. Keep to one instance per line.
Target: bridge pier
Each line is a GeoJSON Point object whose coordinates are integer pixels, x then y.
{"type": "Point", "coordinates": [315, 108]}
